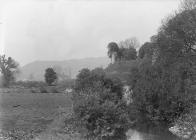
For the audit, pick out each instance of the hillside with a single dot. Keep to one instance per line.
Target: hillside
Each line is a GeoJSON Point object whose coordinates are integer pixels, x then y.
{"type": "Point", "coordinates": [35, 70]}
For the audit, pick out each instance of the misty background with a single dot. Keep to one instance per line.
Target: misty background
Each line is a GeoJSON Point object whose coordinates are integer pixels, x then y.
{"type": "Point", "coordinates": [33, 30]}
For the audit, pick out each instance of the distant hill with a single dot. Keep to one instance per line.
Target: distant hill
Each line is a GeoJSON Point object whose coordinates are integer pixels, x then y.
{"type": "Point", "coordinates": [35, 70]}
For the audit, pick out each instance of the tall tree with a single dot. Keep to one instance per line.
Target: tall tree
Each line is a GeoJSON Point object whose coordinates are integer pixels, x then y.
{"type": "Point", "coordinates": [50, 76]}
{"type": "Point", "coordinates": [177, 38]}
{"type": "Point", "coordinates": [127, 49]}
{"type": "Point", "coordinates": [159, 90]}
{"type": "Point", "coordinates": [8, 69]}
{"type": "Point", "coordinates": [113, 51]}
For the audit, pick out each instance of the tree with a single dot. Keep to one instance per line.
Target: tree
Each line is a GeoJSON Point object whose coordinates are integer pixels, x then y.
{"type": "Point", "coordinates": [146, 50]}
{"type": "Point", "coordinates": [158, 96]}
{"type": "Point", "coordinates": [188, 5]}
{"type": "Point", "coordinates": [129, 43]}
{"type": "Point", "coordinates": [50, 76]}
{"type": "Point", "coordinates": [8, 69]}
{"type": "Point", "coordinates": [113, 51]}
{"type": "Point", "coordinates": [159, 90]}
{"type": "Point", "coordinates": [176, 42]}
{"type": "Point", "coordinates": [127, 54]}
{"type": "Point", "coordinates": [127, 49]}
{"type": "Point", "coordinates": [82, 79]}
{"type": "Point", "coordinates": [96, 80]}
{"type": "Point", "coordinates": [177, 37]}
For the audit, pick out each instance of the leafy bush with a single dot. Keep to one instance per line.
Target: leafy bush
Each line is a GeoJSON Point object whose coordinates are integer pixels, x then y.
{"type": "Point", "coordinates": [102, 118]}
{"type": "Point", "coordinates": [99, 106]}
{"type": "Point", "coordinates": [43, 90]}
{"type": "Point", "coordinates": [96, 80]}
{"type": "Point", "coordinates": [54, 90]}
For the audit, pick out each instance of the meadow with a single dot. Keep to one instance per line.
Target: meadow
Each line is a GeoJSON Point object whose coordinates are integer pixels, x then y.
{"type": "Point", "coordinates": [31, 114]}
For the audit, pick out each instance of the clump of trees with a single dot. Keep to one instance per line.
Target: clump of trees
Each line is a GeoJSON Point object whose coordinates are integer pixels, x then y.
{"type": "Point", "coordinates": [162, 89]}
{"type": "Point", "coordinates": [124, 51]}
{"type": "Point", "coordinates": [8, 69]}
{"type": "Point", "coordinates": [99, 106]}
{"type": "Point", "coordinates": [50, 76]}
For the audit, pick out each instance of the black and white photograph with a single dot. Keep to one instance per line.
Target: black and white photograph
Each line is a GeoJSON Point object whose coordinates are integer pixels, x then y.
{"type": "Point", "coordinates": [97, 69]}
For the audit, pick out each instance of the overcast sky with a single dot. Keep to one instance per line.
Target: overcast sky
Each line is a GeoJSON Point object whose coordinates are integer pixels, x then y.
{"type": "Point", "coordinates": [61, 29]}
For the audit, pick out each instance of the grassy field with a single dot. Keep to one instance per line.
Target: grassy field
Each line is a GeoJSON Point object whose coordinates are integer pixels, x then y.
{"type": "Point", "coordinates": [31, 113]}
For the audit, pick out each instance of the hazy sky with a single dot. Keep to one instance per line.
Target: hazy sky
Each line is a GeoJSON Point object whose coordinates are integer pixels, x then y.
{"type": "Point", "coordinates": [61, 29]}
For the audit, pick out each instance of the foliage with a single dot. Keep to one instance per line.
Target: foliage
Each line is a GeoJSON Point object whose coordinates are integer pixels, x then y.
{"type": "Point", "coordinates": [50, 76]}
{"type": "Point", "coordinates": [158, 95]}
{"type": "Point", "coordinates": [113, 49]}
{"type": "Point", "coordinates": [8, 68]}
{"type": "Point", "coordinates": [96, 80]}
{"type": "Point", "coordinates": [121, 70]}
{"type": "Point", "coordinates": [54, 90]}
{"type": "Point", "coordinates": [124, 50]}
{"type": "Point", "coordinates": [98, 105]}
{"type": "Point", "coordinates": [29, 84]}
{"type": "Point", "coordinates": [129, 43]}
{"type": "Point", "coordinates": [127, 49]}
{"type": "Point", "coordinates": [18, 135]}
{"type": "Point", "coordinates": [177, 37]}
{"type": "Point", "coordinates": [100, 115]}
{"type": "Point", "coordinates": [161, 91]}
{"type": "Point", "coordinates": [43, 90]}
{"type": "Point", "coordinates": [188, 5]}
{"type": "Point", "coordinates": [127, 54]}
{"type": "Point", "coordinates": [146, 50]}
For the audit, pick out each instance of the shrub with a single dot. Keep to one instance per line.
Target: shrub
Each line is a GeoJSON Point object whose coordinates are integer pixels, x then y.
{"type": "Point", "coordinates": [43, 90]}
{"type": "Point", "coordinates": [96, 80]}
{"type": "Point", "coordinates": [99, 106]}
{"type": "Point", "coordinates": [34, 91]}
{"type": "Point", "coordinates": [54, 90]}
{"type": "Point", "coordinates": [102, 118]}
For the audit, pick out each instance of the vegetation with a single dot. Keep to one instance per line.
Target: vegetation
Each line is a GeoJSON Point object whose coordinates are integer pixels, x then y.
{"type": "Point", "coordinates": [98, 105]}
{"type": "Point", "coordinates": [160, 78]}
{"type": "Point", "coordinates": [160, 88]}
{"type": "Point", "coordinates": [127, 49]}
{"type": "Point", "coordinates": [25, 116]}
{"type": "Point", "coordinates": [8, 69]}
{"type": "Point", "coordinates": [124, 51]}
{"type": "Point", "coordinates": [50, 76]}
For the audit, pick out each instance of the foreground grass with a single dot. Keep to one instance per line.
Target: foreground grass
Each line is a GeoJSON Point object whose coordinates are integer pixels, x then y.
{"type": "Point", "coordinates": [27, 115]}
